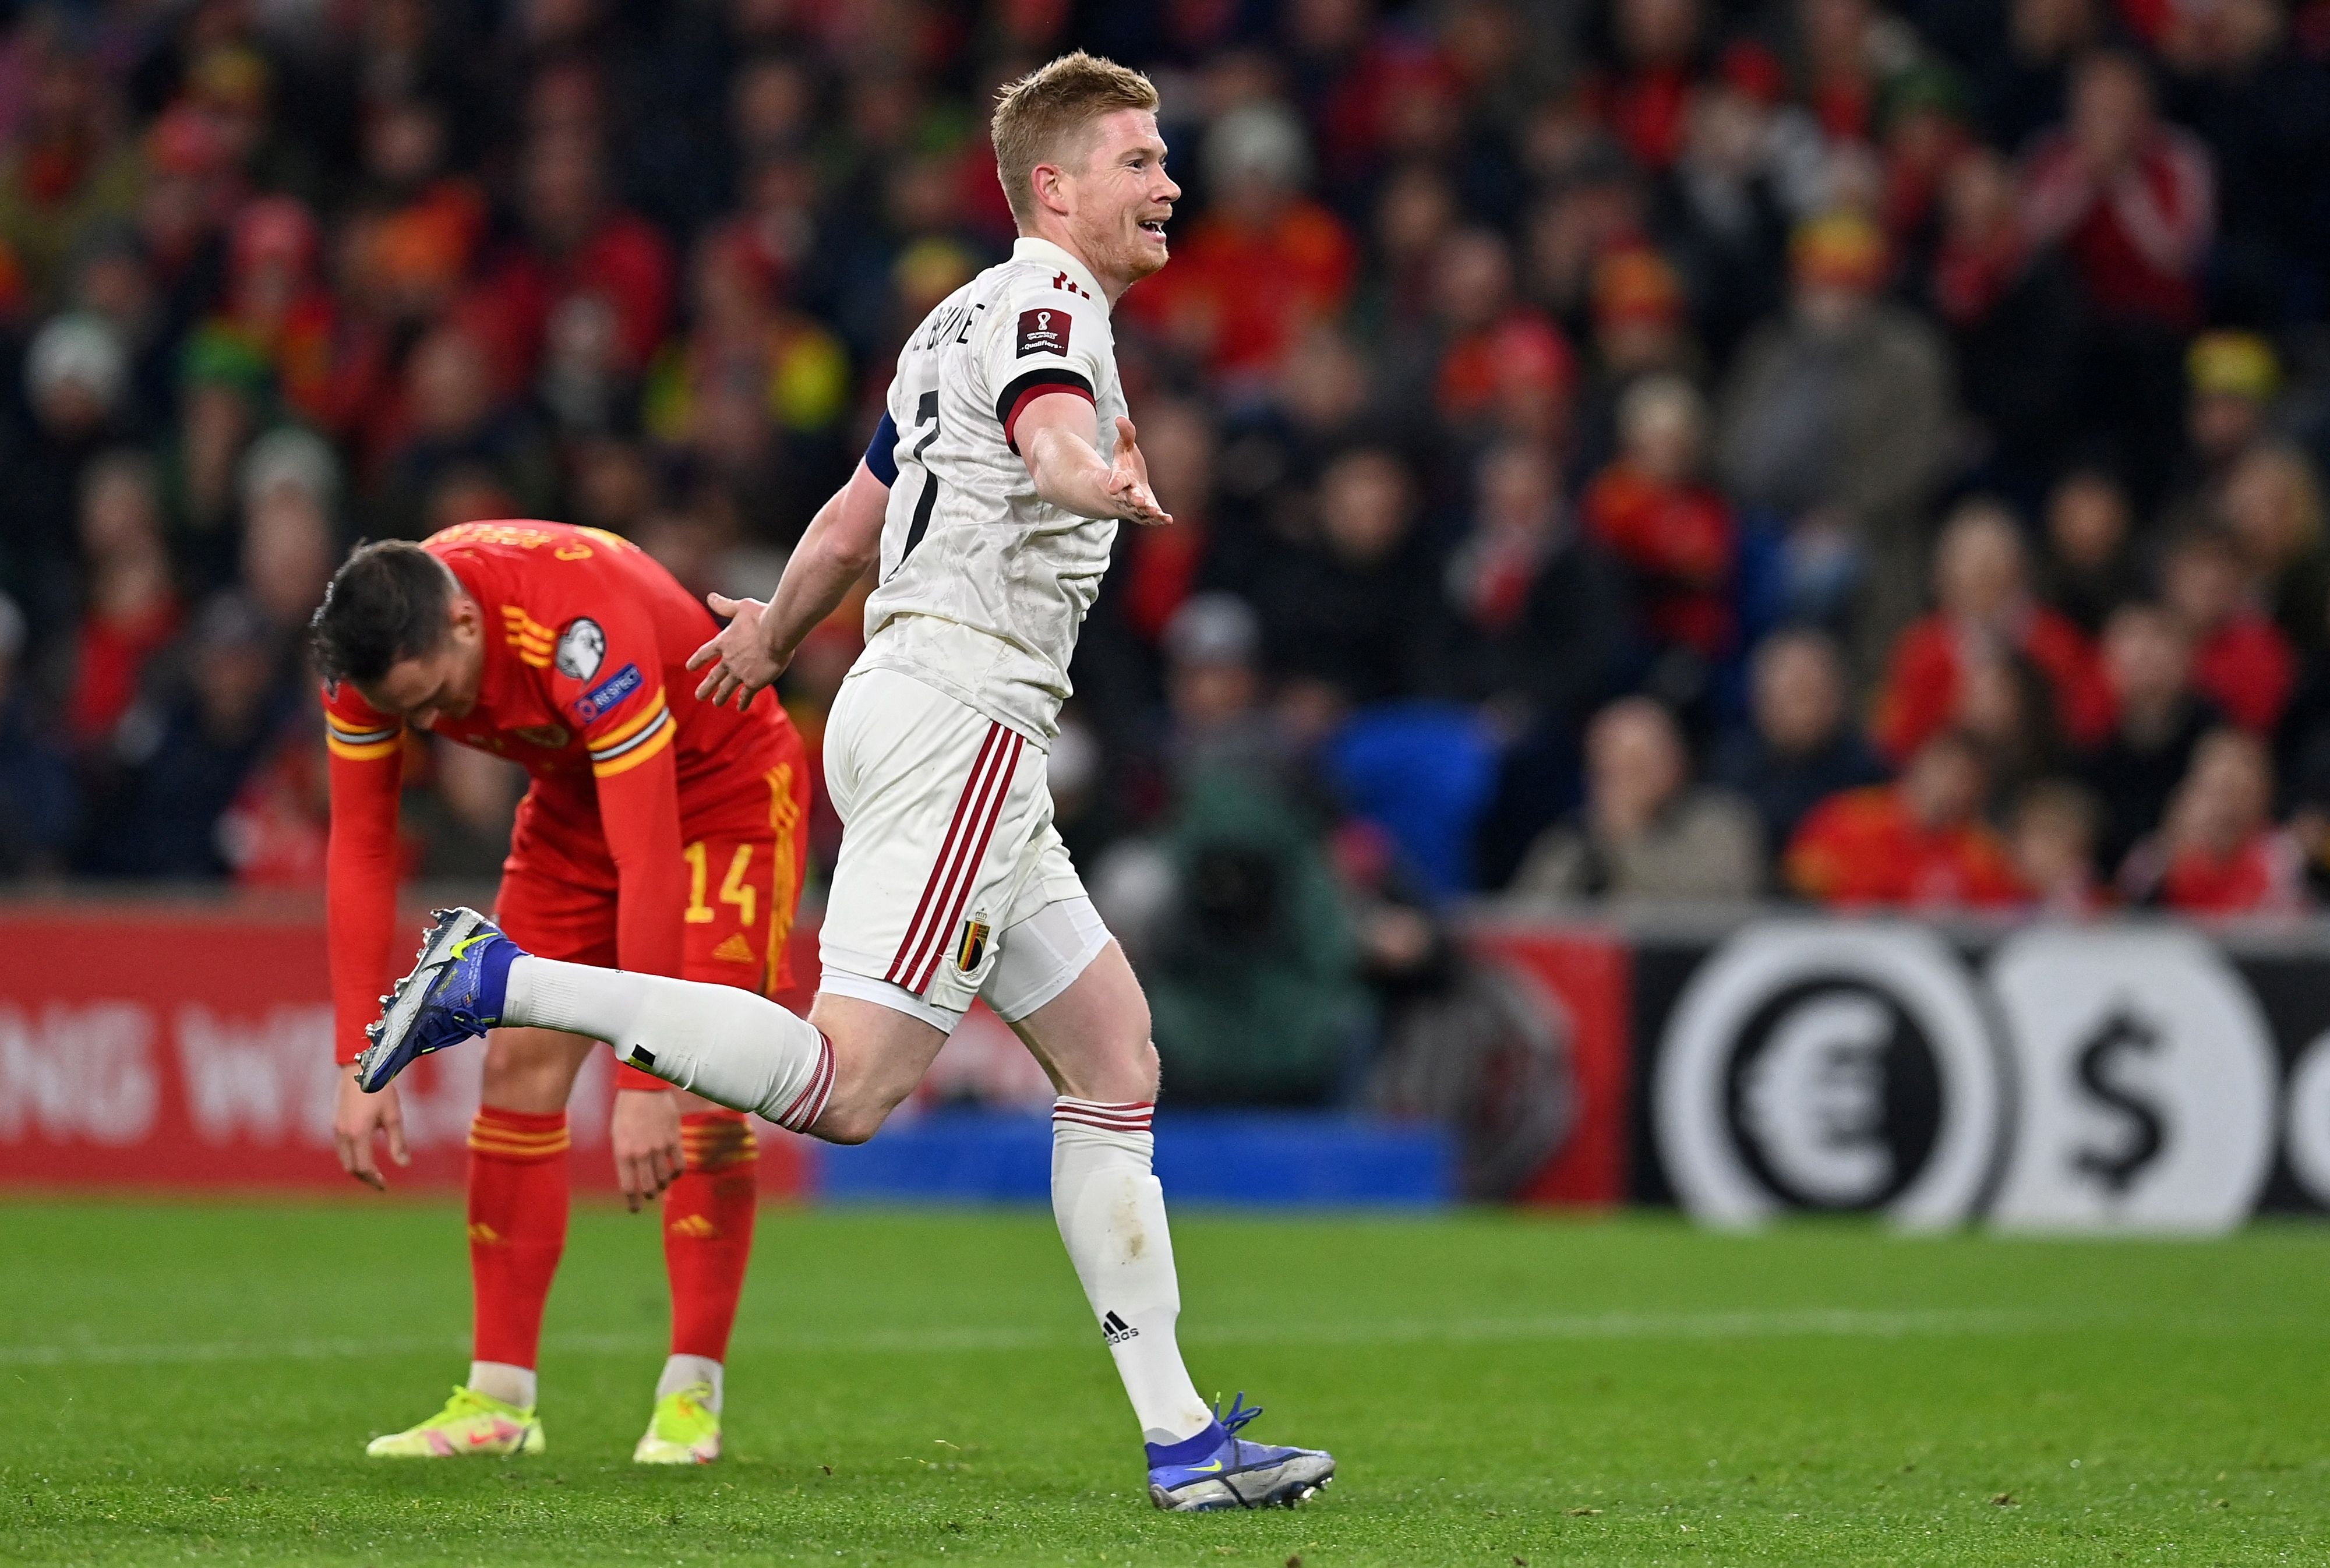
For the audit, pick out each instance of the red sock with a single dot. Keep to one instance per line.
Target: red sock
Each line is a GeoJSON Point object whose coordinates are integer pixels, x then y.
{"type": "Point", "coordinates": [517, 1227]}
{"type": "Point", "coordinates": [707, 1230]}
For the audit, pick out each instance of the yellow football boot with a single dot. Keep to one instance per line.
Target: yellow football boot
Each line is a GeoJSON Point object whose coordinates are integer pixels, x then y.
{"type": "Point", "coordinates": [684, 1431]}
{"type": "Point", "coordinates": [471, 1423]}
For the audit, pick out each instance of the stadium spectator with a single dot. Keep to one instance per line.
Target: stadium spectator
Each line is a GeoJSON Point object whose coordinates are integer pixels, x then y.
{"type": "Point", "coordinates": [289, 484]}
{"type": "Point", "coordinates": [113, 281]}
{"type": "Point", "coordinates": [2012, 312]}
{"type": "Point", "coordinates": [185, 759]}
{"type": "Point", "coordinates": [1640, 329]}
{"type": "Point", "coordinates": [1752, 165]}
{"type": "Point", "coordinates": [2007, 707]}
{"type": "Point", "coordinates": [1919, 844]}
{"type": "Point", "coordinates": [226, 396]}
{"type": "Point", "coordinates": [1841, 412]}
{"type": "Point", "coordinates": [1252, 973]}
{"type": "Point", "coordinates": [1840, 66]}
{"type": "Point", "coordinates": [1214, 693]}
{"type": "Point", "coordinates": [1801, 745]}
{"type": "Point", "coordinates": [2132, 200]}
{"type": "Point", "coordinates": [1499, 367]}
{"type": "Point", "coordinates": [1156, 568]}
{"type": "Point", "coordinates": [1986, 616]}
{"type": "Point", "coordinates": [2089, 568]}
{"type": "Point", "coordinates": [1540, 609]}
{"type": "Point", "coordinates": [276, 308]}
{"type": "Point", "coordinates": [38, 802]}
{"type": "Point", "coordinates": [2241, 660]}
{"type": "Point", "coordinates": [76, 384]}
{"type": "Point", "coordinates": [1645, 95]}
{"type": "Point", "coordinates": [1342, 612]}
{"type": "Point", "coordinates": [2260, 100]}
{"type": "Point", "coordinates": [1645, 834]}
{"type": "Point", "coordinates": [2158, 721]}
{"type": "Point", "coordinates": [2271, 504]}
{"type": "Point", "coordinates": [1276, 447]}
{"type": "Point", "coordinates": [1412, 216]}
{"type": "Point", "coordinates": [2052, 837]}
{"type": "Point", "coordinates": [1671, 530]}
{"type": "Point", "coordinates": [133, 609]}
{"type": "Point", "coordinates": [68, 171]}
{"type": "Point", "coordinates": [2231, 381]}
{"type": "Point", "coordinates": [463, 433]}
{"type": "Point", "coordinates": [1259, 224]}
{"type": "Point", "coordinates": [2219, 852]}
{"type": "Point", "coordinates": [751, 393]}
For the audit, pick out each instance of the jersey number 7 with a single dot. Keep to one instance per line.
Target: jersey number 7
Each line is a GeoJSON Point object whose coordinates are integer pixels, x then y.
{"type": "Point", "coordinates": [926, 411]}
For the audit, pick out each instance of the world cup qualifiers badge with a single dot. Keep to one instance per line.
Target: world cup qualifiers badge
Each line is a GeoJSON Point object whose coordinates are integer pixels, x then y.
{"type": "Point", "coordinates": [1044, 332]}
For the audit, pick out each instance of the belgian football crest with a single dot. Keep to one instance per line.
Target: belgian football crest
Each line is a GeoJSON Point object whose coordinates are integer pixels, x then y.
{"type": "Point", "coordinates": [974, 946]}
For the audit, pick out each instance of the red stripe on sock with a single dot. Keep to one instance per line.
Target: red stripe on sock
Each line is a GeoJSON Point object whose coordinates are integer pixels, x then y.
{"type": "Point", "coordinates": [802, 1113]}
{"type": "Point", "coordinates": [1142, 1125]}
{"type": "Point", "coordinates": [1126, 1122]}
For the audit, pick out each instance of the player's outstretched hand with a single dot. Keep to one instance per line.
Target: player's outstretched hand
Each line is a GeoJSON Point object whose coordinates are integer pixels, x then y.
{"type": "Point", "coordinates": [741, 661]}
{"type": "Point", "coordinates": [357, 1120]}
{"type": "Point", "coordinates": [1128, 481]}
{"type": "Point", "coordinates": [645, 1133]}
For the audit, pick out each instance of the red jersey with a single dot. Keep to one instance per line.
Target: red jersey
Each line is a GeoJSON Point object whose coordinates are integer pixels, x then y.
{"type": "Point", "coordinates": [2247, 668]}
{"type": "Point", "coordinates": [586, 686]}
{"type": "Point", "coordinates": [2266, 875]}
{"type": "Point", "coordinates": [1863, 848]}
{"type": "Point", "coordinates": [1922, 689]}
{"type": "Point", "coordinates": [1679, 540]}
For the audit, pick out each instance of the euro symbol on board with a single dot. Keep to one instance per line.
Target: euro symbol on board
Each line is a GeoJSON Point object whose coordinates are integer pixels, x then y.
{"type": "Point", "coordinates": [2143, 1136]}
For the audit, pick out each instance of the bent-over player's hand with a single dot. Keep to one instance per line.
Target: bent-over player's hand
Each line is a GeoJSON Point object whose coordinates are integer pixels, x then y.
{"type": "Point", "coordinates": [645, 1132]}
{"type": "Point", "coordinates": [1128, 482]}
{"type": "Point", "coordinates": [740, 660]}
{"type": "Point", "coordinates": [357, 1120]}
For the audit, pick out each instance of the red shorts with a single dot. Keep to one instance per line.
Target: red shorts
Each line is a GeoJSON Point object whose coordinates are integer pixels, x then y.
{"type": "Point", "coordinates": [558, 889]}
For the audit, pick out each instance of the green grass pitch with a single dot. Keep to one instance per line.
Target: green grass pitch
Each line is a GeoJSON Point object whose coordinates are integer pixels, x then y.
{"type": "Point", "coordinates": [194, 1382]}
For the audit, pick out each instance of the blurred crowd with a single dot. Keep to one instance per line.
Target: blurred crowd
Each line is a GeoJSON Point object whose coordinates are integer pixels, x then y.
{"type": "Point", "coordinates": [1624, 450]}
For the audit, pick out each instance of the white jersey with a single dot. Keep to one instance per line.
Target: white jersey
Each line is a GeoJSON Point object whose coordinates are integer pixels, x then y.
{"type": "Point", "coordinates": [983, 585]}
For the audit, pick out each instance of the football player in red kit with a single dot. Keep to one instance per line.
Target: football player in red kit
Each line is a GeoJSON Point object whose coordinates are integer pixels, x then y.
{"type": "Point", "coordinates": [660, 835]}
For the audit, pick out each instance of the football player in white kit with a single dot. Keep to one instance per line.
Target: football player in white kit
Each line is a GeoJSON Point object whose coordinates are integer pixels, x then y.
{"type": "Point", "coordinates": [989, 508]}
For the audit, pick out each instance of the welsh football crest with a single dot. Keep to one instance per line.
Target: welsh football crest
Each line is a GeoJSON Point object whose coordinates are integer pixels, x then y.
{"type": "Point", "coordinates": [581, 648]}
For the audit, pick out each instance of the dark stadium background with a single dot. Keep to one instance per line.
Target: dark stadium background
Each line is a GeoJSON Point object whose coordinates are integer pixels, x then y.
{"type": "Point", "coordinates": [1644, 470]}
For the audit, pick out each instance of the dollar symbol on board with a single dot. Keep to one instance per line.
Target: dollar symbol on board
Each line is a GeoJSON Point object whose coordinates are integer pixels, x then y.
{"type": "Point", "coordinates": [2117, 1169]}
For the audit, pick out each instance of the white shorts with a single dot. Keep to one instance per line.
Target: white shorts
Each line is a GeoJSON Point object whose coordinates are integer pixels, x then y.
{"type": "Point", "coordinates": [953, 881]}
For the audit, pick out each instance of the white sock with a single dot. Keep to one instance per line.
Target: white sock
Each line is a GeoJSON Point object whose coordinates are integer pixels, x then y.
{"type": "Point", "coordinates": [730, 1046]}
{"type": "Point", "coordinates": [1111, 1215]}
{"type": "Point", "coordinates": [499, 1379]}
{"type": "Point", "coordinates": [679, 1371]}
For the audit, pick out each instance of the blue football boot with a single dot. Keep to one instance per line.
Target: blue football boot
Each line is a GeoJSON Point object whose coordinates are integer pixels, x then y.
{"type": "Point", "coordinates": [453, 994]}
{"type": "Point", "coordinates": [1218, 1469]}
